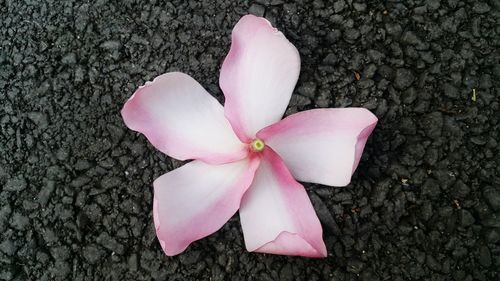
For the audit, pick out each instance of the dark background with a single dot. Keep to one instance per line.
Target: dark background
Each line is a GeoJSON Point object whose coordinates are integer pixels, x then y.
{"type": "Point", "coordinates": [76, 197]}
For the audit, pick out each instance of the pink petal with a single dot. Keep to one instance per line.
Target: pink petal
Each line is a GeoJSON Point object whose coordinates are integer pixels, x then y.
{"type": "Point", "coordinates": [276, 214]}
{"type": "Point", "coordinates": [321, 145]}
{"type": "Point", "coordinates": [258, 76]}
{"type": "Point", "coordinates": [197, 199]}
{"type": "Point", "coordinates": [182, 120]}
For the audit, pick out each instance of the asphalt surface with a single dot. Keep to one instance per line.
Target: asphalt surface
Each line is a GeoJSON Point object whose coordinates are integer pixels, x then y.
{"type": "Point", "coordinates": [76, 196]}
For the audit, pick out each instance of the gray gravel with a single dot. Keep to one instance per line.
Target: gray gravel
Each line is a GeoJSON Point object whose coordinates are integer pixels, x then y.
{"type": "Point", "coordinates": [76, 197]}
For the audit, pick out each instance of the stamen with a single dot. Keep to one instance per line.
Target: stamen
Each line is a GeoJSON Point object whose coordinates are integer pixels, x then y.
{"type": "Point", "coordinates": [257, 145]}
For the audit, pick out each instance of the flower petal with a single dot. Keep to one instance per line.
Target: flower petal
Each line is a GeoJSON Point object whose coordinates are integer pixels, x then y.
{"type": "Point", "coordinates": [276, 214]}
{"type": "Point", "coordinates": [182, 120]}
{"type": "Point", "coordinates": [321, 145]}
{"type": "Point", "coordinates": [257, 76]}
{"type": "Point", "coordinates": [197, 199]}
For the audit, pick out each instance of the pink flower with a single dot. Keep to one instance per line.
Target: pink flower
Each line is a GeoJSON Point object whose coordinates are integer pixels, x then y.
{"type": "Point", "coordinates": [244, 157]}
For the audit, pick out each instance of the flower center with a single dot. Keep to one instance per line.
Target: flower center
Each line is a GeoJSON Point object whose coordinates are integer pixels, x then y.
{"type": "Point", "coordinates": [257, 145]}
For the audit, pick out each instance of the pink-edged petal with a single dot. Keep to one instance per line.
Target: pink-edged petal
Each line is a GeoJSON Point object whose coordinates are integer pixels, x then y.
{"type": "Point", "coordinates": [276, 214]}
{"type": "Point", "coordinates": [322, 145]}
{"type": "Point", "coordinates": [257, 76]}
{"type": "Point", "coordinates": [182, 120]}
{"type": "Point", "coordinates": [197, 199]}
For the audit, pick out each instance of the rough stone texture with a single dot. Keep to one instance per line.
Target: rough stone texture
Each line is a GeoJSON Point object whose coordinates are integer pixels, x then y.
{"type": "Point", "coordinates": [76, 197]}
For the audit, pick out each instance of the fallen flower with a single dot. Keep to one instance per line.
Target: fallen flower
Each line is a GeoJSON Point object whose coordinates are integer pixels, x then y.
{"type": "Point", "coordinates": [244, 157]}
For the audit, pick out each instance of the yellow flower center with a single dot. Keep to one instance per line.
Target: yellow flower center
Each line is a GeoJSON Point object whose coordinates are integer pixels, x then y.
{"type": "Point", "coordinates": [257, 145]}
